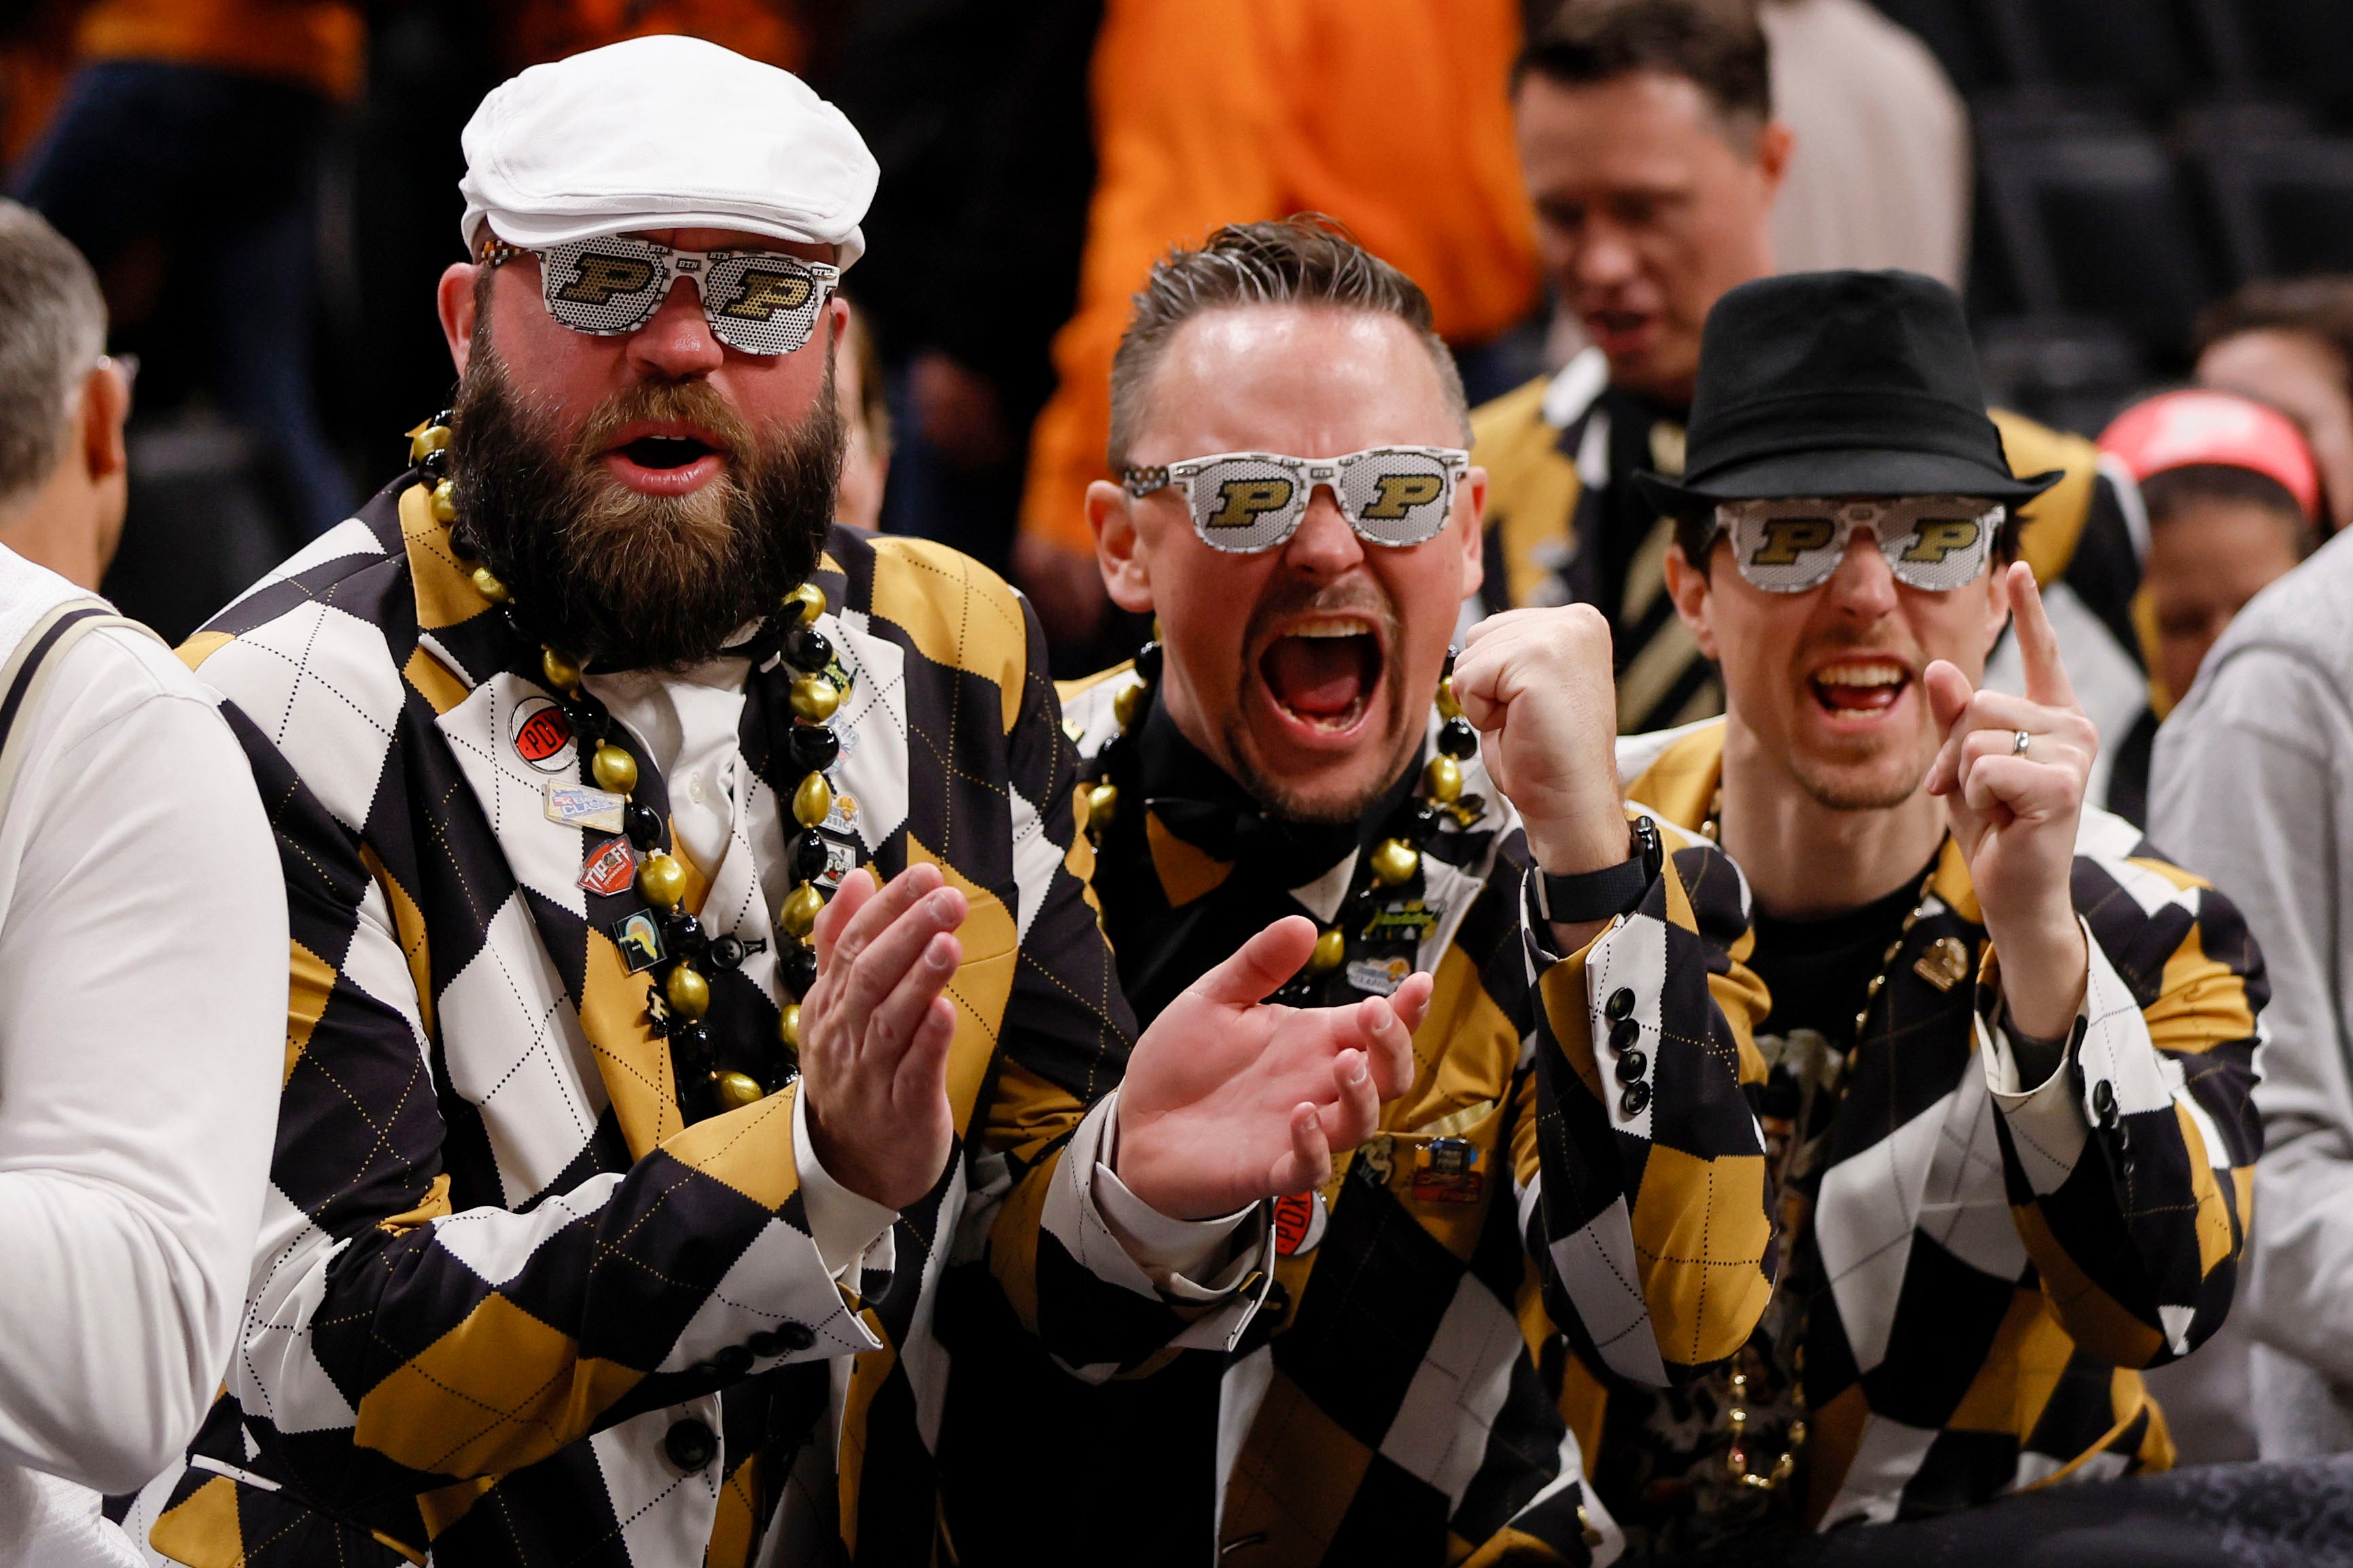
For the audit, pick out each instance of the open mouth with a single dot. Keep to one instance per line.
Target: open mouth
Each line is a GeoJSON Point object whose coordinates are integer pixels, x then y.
{"type": "Point", "coordinates": [661, 452]}
{"type": "Point", "coordinates": [1859, 688]}
{"type": "Point", "coordinates": [1321, 673]}
{"type": "Point", "coordinates": [1616, 327]}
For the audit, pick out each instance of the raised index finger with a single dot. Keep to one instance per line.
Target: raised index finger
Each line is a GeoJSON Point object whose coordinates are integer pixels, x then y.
{"type": "Point", "coordinates": [2038, 644]}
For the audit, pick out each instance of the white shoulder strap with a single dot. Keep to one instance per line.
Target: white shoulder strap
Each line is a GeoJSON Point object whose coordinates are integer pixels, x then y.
{"type": "Point", "coordinates": [31, 667]}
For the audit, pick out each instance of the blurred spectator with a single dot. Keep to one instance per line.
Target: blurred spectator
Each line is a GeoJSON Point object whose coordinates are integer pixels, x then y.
{"type": "Point", "coordinates": [2291, 344]}
{"type": "Point", "coordinates": [2252, 784]}
{"type": "Point", "coordinates": [143, 941]}
{"type": "Point", "coordinates": [180, 162]}
{"type": "Point", "coordinates": [1389, 115]}
{"type": "Point", "coordinates": [1880, 173]}
{"type": "Point", "coordinates": [866, 452]}
{"type": "Point", "coordinates": [1646, 134]}
{"type": "Point", "coordinates": [533, 31]}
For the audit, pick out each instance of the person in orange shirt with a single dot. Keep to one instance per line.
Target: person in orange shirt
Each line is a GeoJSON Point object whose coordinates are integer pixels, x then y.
{"type": "Point", "coordinates": [1392, 116]}
{"type": "Point", "coordinates": [193, 125]}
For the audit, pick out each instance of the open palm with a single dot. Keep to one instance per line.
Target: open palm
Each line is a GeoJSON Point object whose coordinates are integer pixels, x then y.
{"type": "Point", "coordinates": [1229, 1100]}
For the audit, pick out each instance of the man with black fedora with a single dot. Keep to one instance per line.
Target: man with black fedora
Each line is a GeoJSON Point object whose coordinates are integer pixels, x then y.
{"type": "Point", "coordinates": [2011, 1048]}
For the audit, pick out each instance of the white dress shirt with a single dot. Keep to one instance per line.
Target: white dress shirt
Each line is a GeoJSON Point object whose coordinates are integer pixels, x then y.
{"type": "Point", "coordinates": [143, 1026]}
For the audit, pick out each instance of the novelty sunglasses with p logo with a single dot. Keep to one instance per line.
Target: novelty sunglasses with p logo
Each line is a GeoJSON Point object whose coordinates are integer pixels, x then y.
{"type": "Point", "coordinates": [1786, 545]}
{"type": "Point", "coordinates": [1247, 501]}
{"type": "Point", "coordinates": [758, 302]}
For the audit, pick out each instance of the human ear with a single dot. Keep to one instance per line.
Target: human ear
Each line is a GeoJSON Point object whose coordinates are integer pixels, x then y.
{"type": "Point", "coordinates": [455, 300]}
{"type": "Point", "coordinates": [1475, 537]}
{"type": "Point", "coordinates": [105, 404]}
{"type": "Point", "coordinates": [1997, 580]}
{"type": "Point", "coordinates": [1119, 547]}
{"type": "Point", "coordinates": [1688, 587]}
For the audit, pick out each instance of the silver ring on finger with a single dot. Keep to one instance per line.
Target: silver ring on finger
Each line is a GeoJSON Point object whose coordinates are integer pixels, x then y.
{"type": "Point", "coordinates": [2018, 747]}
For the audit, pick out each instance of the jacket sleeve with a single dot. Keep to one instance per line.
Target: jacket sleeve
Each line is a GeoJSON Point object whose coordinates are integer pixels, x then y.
{"type": "Point", "coordinates": [2131, 1168]}
{"type": "Point", "coordinates": [392, 1346]}
{"type": "Point", "coordinates": [1068, 1032]}
{"type": "Point", "coordinates": [1651, 1207]}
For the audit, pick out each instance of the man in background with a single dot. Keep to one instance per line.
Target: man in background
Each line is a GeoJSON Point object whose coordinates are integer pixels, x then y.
{"type": "Point", "coordinates": [1648, 145]}
{"type": "Point", "coordinates": [2289, 343]}
{"type": "Point", "coordinates": [142, 953]}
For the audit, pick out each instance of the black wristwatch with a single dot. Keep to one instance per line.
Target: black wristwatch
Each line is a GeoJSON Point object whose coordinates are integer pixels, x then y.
{"type": "Point", "coordinates": [1612, 890]}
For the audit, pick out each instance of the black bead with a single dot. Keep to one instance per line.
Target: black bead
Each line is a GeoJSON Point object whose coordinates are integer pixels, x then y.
{"type": "Point", "coordinates": [808, 648]}
{"type": "Point", "coordinates": [1636, 1095]}
{"type": "Point", "coordinates": [589, 723]}
{"type": "Point", "coordinates": [689, 1040]}
{"type": "Point", "coordinates": [1457, 740]}
{"type": "Point", "coordinates": [435, 465]}
{"type": "Point", "coordinates": [1147, 662]}
{"type": "Point", "coordinates": [814, 748]}
{"type": "Point", "coordinates": [686, 938]}
{"type": "Point", "coordinates": [724, 953]}
{"type": "Point", "coordinates": [1631, 1066]}
{"type": "Point", "coordinates": [690, 1445]}
{"type": "Point", "coordinates": [811, 855]}
{"type": "Point", "coordinates": [796, 966]}
{"type": "Point", "coordinates": [1624, 1035]}
{"type": "Point", "coordinates": [1446, 672]}
{"type": "Point", "coordinates": [1619, 1006]}
{"type": "Point", "coordinates": [446, 418]}
{"type": "Point", "coordinates": [732, 1361]}
{"type": "Point", "coordinates": [1418, 822]}
{"type": "Point", "coordinates": [644, 825]}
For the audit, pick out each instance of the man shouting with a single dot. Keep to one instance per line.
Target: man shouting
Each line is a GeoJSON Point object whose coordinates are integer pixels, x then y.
{"type": "Point", "coordinates": [619, 1097]}
{"type": "Point", "coordinates": [2012, 1047]}
{"type": "Point", "coordinates": [1573, 1179]}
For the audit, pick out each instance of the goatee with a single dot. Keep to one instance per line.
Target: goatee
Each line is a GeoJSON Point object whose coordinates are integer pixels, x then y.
{"type": "Point", "coordinates": [623, 579]}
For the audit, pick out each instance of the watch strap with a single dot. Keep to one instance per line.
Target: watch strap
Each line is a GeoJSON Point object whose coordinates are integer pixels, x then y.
{"type": "Point", "coordinates": [1611, 891]}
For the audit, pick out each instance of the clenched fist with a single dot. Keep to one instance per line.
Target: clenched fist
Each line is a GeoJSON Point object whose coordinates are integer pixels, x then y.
{"type": "Point", "coordinates": [1540, 687]}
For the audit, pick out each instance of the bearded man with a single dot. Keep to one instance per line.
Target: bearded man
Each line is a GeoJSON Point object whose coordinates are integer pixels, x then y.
{"type": "Point", "coordinates": [559, 1241]}
{"type": "Point", "coordinates": [2012, 1047]}
{"type": "Point", "coordinates": [1575, 1170]}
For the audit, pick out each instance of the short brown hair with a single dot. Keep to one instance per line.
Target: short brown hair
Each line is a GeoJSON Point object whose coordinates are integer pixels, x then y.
{"type": "Point", "coordinates": [52, 330]}
{"type": "Point", "coordinates": [1304, 259]}
{"type": "Point", "coordinates": [1717, 45]}
{"type": "Point", "coordinates": [2320, 306]}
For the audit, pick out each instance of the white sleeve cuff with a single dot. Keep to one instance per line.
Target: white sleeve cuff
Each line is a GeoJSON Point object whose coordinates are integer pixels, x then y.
{"type": "Point", "coordinates": [1171, 1251]}
{"type": "Point", "coordinates": [849, 1231]}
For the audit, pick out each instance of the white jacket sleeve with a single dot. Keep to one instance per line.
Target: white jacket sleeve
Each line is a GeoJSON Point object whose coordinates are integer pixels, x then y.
{"type": "Point", "coordinates": [143, 998]}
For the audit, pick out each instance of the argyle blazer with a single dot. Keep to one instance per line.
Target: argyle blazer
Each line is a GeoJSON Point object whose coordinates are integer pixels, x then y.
{"type": "Point", "coordinates": [507, 1306]}
{"type": "Point", "coordinates": [1996, 1266]}
{"type": "Point", "coordinates": [1395, 1401]}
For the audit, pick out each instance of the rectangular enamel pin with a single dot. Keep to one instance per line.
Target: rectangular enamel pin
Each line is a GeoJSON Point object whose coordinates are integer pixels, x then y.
{"type": "Point", "coordinates": [577, 805]}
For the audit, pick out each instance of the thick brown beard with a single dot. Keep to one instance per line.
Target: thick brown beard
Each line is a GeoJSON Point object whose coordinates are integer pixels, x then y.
{"type": "Point", "coordinates": [1280, 801]}
{"type": "Point", "coordinates": [629, 579]}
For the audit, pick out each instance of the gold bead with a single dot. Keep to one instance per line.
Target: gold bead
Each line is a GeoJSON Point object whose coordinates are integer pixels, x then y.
{"type": "Point", "coordinates": [562, 674]}
{"type": "Point", "coordinates": [1394, 860]}
{"type": "Point", "coordinates": [1128, 702]}
{"type": "Point", "coordinates": [813, 801]}
{"type": "Point", "coordinates": [486, 585]}
{"type": "Point", "coordinates": [445, 503]}
{"type": "Point", "coordinates": [788, 1025]}
{"type": "Point", "coordinates": [810, 598]}
{"type": "Point", "coordinates": [662, 881]}
{"type": "Point", "coordinates": [814, 698]}
{"type": "Point", "coordinates": [687, 990]}
{"type": "Point", "coordinates": [432, 438]}
{"type": "Point", "coordinates": [735, 1090]}
{"type": "Point", "coordinates": [615, 770]}
{"type": "Point", "coordinates": [1442, 780]}
{"type": "Point", "coordinates": [1447, 707]}
{"type": "Point", "coordinates": [1331, 947]}
{"type": "Point", "coordinates": [1103, 806]}
{"type": "Point", "coordinates": [797, 914]}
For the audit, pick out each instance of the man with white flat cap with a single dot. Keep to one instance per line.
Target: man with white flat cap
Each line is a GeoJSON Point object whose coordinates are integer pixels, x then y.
{"type": "Point", "coordinates": [694, 965]}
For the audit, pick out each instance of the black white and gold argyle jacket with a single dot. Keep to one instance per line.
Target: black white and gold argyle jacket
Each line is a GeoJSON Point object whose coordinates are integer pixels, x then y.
{"type": "Point", "coordinates": [507, 1306]}
{"type": "Point", "coordinates": [1576, 1169]}
{"type": "Point", "coordinates": [1996, 1266]}
{"type": "Point", "coordinates": [1563, 526]}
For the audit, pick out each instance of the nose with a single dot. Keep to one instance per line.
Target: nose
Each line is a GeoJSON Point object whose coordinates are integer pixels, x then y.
{"type": "Point", "coordinates": [1605, 254]}
{"type": "Point", "coordinates": [677, 343]}
{"type": "Point", "coordinates": [1324, 546]}
{"type": "Point", "coordinates": [1864, 587]}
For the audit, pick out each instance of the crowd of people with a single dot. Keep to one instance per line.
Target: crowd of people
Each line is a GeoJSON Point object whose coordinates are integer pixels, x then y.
{"type": "Point", "coordinates": [1638, 931]}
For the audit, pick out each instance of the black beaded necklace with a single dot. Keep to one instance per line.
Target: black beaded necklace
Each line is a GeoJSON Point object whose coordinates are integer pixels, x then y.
{"type": "Point", "coordinates": [1391, 866]}
{"type": "Point", "coordinates": [678, 994]}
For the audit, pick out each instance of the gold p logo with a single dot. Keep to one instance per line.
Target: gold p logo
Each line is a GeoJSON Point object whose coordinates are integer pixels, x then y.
{"type": "Point", "coordinates": [1243, 501]}
{"type": "Point", "coordinates": [766, 293]}
{"type": "Point", "coordinates": [602, 277]}
{"type": "Point", "coordinates": [1786, 538]}
{"type": "Point", "coordinates": [1400, 493]}
{"type": "Point", "coordinates": [1940, 537]}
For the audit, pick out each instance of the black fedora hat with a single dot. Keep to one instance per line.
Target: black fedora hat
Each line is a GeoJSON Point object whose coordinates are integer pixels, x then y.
{"type": "Point", "coordinates": [1840, 383]}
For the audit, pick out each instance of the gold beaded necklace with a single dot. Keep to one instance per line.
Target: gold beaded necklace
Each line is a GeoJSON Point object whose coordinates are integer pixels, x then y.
{"type": "Point", "coordinates": [680, 993]}
{"type": "Point", "coordinates": [1391, 864]}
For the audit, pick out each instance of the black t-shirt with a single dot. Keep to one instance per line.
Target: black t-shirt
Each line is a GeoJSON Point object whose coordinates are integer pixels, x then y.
{"type": "Point", "coordinates": [1817, 969]}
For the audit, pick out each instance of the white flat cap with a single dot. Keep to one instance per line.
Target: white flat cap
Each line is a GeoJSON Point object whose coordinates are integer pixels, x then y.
{"type": "Point", "coordinates": [664, 133]}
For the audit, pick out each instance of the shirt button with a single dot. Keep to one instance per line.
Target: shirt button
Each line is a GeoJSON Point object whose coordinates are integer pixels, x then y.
{"type": "Point", "coordinates": [1619, 1006]}
{"type": "Point", "coordinates": [733, 1360]}
{"type": "Point", "coordinates": [1636, 1095]}
{"type": "Point", "coordinates": [694, 789]}
{"type": "Point", "coordinates": [690, 1445]}
{"type": "Point", "coordinates": [1624, 1033]}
